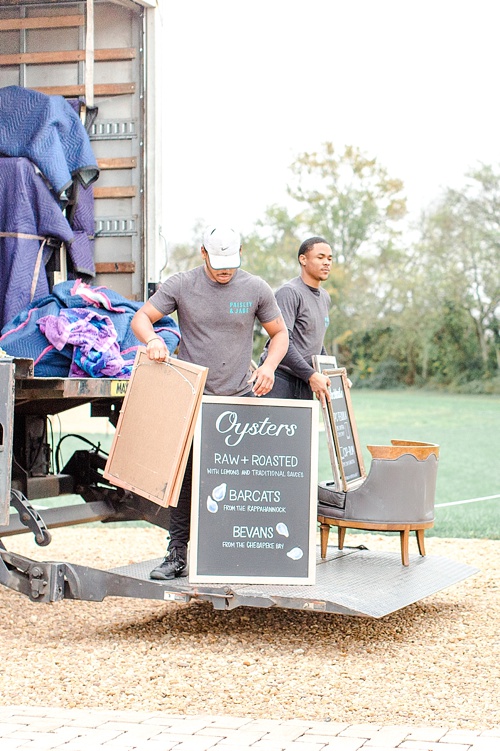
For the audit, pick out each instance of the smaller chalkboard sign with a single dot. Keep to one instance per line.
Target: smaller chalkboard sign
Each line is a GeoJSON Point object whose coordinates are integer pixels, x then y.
{"type": "Point", "coordinates": [342, 435]}
{"type": "Point", "coordinates": [324, 362]}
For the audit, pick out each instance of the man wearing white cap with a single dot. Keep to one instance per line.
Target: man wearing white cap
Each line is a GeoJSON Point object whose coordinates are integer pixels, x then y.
{"type": "Point", "coordinates": [217, 304]}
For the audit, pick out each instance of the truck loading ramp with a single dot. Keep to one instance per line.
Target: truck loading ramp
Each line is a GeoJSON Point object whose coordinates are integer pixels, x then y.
{"type": "Point", "coordinates": [354, 581]}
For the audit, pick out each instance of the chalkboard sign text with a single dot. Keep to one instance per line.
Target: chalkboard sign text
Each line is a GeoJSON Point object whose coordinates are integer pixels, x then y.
{"type": "Point", "coordinates": [254, 498]}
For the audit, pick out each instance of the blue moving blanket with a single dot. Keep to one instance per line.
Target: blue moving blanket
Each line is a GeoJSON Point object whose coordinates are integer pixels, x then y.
{"type": "Point", "coordinates": [29, 213]}
{"type": "Point", "coordinates": [23, 336]}
{"type": "Point", "coordinates": [46, 130]}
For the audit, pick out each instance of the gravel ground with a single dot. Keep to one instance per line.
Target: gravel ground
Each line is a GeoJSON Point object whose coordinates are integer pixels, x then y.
{"type": "Point", "coordinates": [435, 663]}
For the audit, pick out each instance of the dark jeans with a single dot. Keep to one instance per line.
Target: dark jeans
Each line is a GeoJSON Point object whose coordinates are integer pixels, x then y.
{"type": "Point", "coordinates": [288, 386]}
{"type": "Point", "coordinates": [180, 515]}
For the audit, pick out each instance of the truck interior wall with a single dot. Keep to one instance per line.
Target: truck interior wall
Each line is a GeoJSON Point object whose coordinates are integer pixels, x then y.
{"type": "Point", "coordinates": [117, 135]}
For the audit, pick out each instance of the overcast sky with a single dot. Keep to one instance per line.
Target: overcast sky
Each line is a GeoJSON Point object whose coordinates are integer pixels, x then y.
{"type": "Point", "coordinates": [248, 85]}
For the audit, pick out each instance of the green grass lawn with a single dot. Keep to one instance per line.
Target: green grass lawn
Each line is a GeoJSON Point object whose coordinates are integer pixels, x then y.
{"type": "Point", "coordinates": [467, 429]}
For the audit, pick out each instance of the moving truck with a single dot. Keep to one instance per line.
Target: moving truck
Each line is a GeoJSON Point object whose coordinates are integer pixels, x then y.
{"type": "Point", "coordinates": [105, 55]}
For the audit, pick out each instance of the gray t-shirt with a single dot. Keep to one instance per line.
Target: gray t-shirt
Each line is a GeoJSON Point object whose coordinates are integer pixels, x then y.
{"type": "Point", "coordinates": [217, 322]}
{"type": "Point", "coordinates": [305, 311]}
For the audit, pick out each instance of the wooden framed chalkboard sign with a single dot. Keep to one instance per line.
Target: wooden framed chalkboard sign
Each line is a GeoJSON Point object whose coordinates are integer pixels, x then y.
{"type": "Point", "coordinates": [153, 436]}
{"type": "Point", "coordinates": [342, 435]}
{"type": "Point", "coordinates": [254, 503]}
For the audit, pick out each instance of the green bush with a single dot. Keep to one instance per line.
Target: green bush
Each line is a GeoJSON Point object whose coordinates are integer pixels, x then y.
{"type": "Point", "coordinates": [478, 386]}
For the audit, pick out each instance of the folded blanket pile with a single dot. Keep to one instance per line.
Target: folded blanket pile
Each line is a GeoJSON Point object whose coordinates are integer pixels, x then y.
{"type": "Point", "coordinates": [81, 331]}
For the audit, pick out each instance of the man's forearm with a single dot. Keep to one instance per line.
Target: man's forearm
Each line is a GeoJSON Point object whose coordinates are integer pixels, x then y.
{"type": "Point", "coordinates": [296, 363]}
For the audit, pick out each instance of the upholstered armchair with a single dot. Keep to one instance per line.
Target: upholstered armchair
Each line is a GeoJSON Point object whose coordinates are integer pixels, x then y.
{"type": "Point", "coordinates": [396, 495]}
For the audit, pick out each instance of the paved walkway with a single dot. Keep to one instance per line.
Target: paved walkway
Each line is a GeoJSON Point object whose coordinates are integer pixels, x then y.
{"type": "Point", "coordinates": [39, 729]}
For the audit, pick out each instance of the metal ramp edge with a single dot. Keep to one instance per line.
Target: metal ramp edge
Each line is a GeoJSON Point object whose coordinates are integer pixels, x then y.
{"type": "Point", "coordinates": [351, 582]}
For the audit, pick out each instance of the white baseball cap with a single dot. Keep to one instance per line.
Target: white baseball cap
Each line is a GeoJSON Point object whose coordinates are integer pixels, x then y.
{"type": "Point", "coordinates": [223, 247]}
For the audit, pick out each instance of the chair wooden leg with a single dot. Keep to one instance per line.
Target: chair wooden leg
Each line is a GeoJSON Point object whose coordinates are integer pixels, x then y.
{"type": "Point", "coordinates": [420, 541]}
{"type": "Point", "coordinates": [341, 537]}
{"type": "Point", "coordinates": [405, 540]}
{"type": "Point", "coordinates": [324, 532]}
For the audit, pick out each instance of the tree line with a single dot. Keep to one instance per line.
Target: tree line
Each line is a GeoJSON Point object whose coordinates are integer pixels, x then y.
{"type": "Point", "coordinates": [412, 304]}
